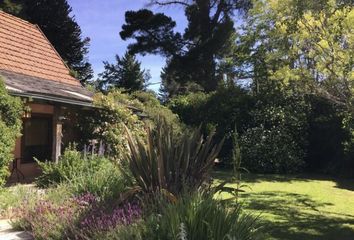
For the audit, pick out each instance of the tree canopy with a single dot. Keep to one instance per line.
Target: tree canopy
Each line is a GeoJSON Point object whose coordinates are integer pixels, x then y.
{"type": "Point", "coordinates": [126, 73]}
{"type": "Point", "coordinates": [193, 56]}
{"type": "Point", "coordinates": [294, 59]}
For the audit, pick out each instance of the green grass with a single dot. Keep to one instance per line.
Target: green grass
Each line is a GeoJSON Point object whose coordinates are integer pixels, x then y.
{"type": "Point", "coordinates": [299, 207]}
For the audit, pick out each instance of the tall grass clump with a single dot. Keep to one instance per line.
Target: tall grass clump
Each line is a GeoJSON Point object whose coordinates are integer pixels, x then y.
{"type": "Point", "coordinates": [164, 161]}
{"type": "Point", "coordinates": [199, 216]}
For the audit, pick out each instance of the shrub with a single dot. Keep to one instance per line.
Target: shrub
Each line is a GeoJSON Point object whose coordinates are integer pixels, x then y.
{"type": "Point", "coordinates": [174, 164]}
{"type": "Point", "coordinates": [54, 173]}
{"type": "Point", "coordinates": [270, 151]}
{"type": "Point", "coordinates": [81, 174]}
{"type": "Point", "coordinates": [199, 216]}
{"type": "Point", "coordinates": [217, 111]}
{"type": "Point", "coordinates": [104, 180]}
{"type": "Point", "coordinates": [154, 110]}
{"type": "Point", "coordinates": [114, 111]}
{"type": "Point", "coordinates": [11, 111]}
{"type": "Point", "coordinates": [191, 107]}
{"type": "Point", "coordinates": [276, 138]}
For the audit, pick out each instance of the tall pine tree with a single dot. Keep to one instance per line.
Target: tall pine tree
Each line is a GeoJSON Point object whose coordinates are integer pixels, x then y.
{"type": "Point", "coordinates": [125, 73]}
{"type": "Point", "coordinates": [193, 57]}
{"type": "Point", "coordinates": [55, 20]}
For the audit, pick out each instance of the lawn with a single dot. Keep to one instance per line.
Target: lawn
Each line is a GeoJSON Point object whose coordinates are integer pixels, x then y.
{"type": "Point", "coordinates": [300, 207]}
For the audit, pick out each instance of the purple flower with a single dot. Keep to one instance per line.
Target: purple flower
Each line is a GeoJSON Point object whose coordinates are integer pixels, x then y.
{"type": "Point", "coordinates": [103, 221]}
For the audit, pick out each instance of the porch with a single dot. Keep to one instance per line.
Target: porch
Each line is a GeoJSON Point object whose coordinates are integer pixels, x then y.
{"type": "Point", "coordinates": [45, 133]}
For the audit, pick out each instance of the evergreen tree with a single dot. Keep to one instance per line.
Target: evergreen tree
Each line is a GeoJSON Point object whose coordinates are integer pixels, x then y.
{"type": "Point", "coordinates": [125, 73]}
{"type": "Point", "coordinates": [194, 56]}
{"type": "Point", "coordinates": [53, 17]}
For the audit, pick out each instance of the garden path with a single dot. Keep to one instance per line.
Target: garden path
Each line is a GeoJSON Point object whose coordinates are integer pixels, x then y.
{"type": "Point", "coordinates": [7, 233]}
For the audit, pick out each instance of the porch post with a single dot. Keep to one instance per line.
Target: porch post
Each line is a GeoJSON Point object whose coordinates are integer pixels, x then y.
{"type": "Point", "coordinates": [57, 134]}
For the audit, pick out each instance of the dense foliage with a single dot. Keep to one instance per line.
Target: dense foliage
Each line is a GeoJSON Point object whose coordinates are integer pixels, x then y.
{"type": "Point", "coordinates": [115, 110]}
{"type": "Point", "coordinates": [218, 111]}
{"type": "Point", "coordinates": [292, 65]}
{"type": "Point", "coordinates": [82, 173]}
{"type": "Point", "coordinates": [280, 131]}
{"type": "Point", "coordinates": [154, 111]}
{"type": "Point", "coordinates": [270, 151]}
{"type": "Point", "coordinates": [303, 51]}
{"type": "Point", "coordinates": [327, 138]}
{"type": "Point", "coordinates": [11, 111]}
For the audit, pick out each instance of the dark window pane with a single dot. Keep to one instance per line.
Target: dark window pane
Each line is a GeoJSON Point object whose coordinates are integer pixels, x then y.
{"type": "Point", "coordinates": [37, 139]}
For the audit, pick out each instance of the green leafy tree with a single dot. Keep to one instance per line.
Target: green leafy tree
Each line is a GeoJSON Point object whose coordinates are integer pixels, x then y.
{"type": "Point", "coordinates": [55, 20]}
{"type": "Point", "coordinates": [125, 73]}
{"type": "Point", "coordinates": [11, 110]}
{"type": "Point", "coordinates": [321, 52]}
{"type": "Point", "coordinates": [297, 44]}
{"type": "Point", "coordinates": [192, 56]}
{"type": "Point", "coordinates": [299, 50]}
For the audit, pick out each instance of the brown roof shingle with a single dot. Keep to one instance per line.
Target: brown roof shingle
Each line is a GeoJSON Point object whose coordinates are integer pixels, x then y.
{"type": "Point", "coordinates": [24, 49]}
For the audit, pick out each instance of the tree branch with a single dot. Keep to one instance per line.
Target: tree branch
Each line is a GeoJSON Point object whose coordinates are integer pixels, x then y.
{"type": "Point", "coordinates": [218, 12]}
{"type": "Point", "coordinates": [166, 3]}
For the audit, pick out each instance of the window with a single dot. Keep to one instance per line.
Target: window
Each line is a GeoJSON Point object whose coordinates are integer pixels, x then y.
{"type": "Point", "coordinates": [37, 138]}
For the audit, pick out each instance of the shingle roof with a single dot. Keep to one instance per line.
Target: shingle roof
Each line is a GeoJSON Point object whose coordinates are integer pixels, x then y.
{"type": "Point", "coordinates": [35, 87]}
{"type": "Point", "coordinates": [24, 49]}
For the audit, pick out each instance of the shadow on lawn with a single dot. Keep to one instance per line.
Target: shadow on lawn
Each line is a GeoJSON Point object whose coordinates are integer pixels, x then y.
{"type": "Point", "coordinates": [249, 178]}
{"type": "Point", "coordinates": [297, 216]}
{"type": "Point", "coordinates": [256, 178]}
{"type": "Point", "coordinates": [347, 184]}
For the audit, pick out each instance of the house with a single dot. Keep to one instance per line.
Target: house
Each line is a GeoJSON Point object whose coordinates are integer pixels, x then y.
{"type": "Point", "coordinates": [33, 70]}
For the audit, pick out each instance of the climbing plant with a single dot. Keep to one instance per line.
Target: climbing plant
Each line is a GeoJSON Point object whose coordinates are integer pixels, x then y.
{"type": "Point", "coordinates": [11, 110]}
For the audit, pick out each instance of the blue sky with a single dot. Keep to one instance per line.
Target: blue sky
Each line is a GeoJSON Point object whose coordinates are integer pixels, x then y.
{"type": "Point", "coordinates": [101, 21]}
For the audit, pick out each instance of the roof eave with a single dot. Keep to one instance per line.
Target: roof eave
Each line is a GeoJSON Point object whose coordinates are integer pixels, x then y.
{"type": "Point", "coordinates": [53, 99]}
